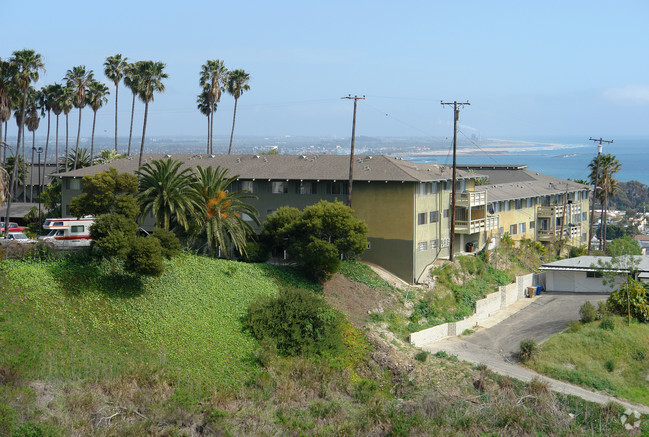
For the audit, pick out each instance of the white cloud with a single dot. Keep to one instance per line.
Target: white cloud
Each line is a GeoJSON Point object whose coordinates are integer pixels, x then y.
{"type": "Point", "coordinates": [638, 94]}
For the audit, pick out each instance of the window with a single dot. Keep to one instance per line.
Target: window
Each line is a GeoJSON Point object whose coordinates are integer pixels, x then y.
{"type": "Point", "coordinates": [421, 189]}
{"type": "Point", "coordinates": [270, 211]}
{"type": "Point", "coordinates": [584, 216]}
{"type": "Point", "coordinates": [434, 216]}
{"type": "Point", "coordinates": [507, 205]}
{"type": "Point", "coordinates": [531, 225]}
{"type": "Point", "coordinates": [422, 245]}
{"type": "Point", "coordinates": [433, 244]}
{"type": "Point", "coordinates": [337, 188]}
{"type": "Point", "coordinates": [421, 218]}
{"type": "Point", "coordinates": [434, 187]}
{"type": "Point", "coordinates": [306, 188]}
{"type": "Point", "coordinates": [497, 206]}
{"type": "Point", "coordinates": [279, 187]}
{"type": "Point", "coordinates": [576, 218]}
{"type": "Point", "coordinates": [584, 237]}
{"type": "Point", "coordinates": [76, 228]}
{"type": "Point", "coordinates": [521, 228]}
{"type": "Point", "coordinates": [446, 242]}
{"type": "Point", "coordinates": [248, 186]}
{"type": "Point", "coordinates": [513, 229]}
{"type": "Point", "coordinates": [446, 213]}
{"type": "Point", "coordinates": [447, 185]}
{"type": "Point", "coordinates": [593, 274]}
{"type": "Point", "coordinates": [519, 203]}
{"type": "Point", "coordinates": [529, 202]}
{"type": "Point", "coordinates": [73, 184]}
{"type": "Point", "coordinates": [460, 186]}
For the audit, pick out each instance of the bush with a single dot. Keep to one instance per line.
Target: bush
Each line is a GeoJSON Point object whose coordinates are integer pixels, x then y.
{"type": "Point", "coordinates": [145, 257]}
{"type": "Point", "coordinates": [255, 253]}
{"type": "Point", "coordinates": [421, 356]}
{"type": "Point", "coordinates": [587, 312]}
{"type": "Point", "coordinates": [298, 322]}
{"type": "Point", "coordinates": [528, 350]}
{"type": "Point", "coordinates": [319, 259]}
{"type": "Point", "coordinates": [168, 242]}
{"type": "Point", "coordinates": [609, 365]}
{"type": "Point", "coordinates": [607, 324]}
{"type": "Point", "coordinates": [112, 235]}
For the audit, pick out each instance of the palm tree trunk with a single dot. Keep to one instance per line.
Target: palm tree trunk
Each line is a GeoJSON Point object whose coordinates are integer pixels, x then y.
{"type": "Point", "coordinates": [31, 169]}
{"type": "Point", "coordinates": [56, 149]}
{"type": "Point", "coordinates": [76, 149]}
{"type": "Point", "coordinates": [605, 220]}
{"type": "Point", "coordinates": [4, 148]}
{"type": "Point", "coordinates": [92, 138]}
{"type": "Point", "coordinates": [207, 149]}
{"type": "Point", "coordinates": [47, 144]}
{"type": "Point", "coordinates": [116, 94]}
{"type": "Point", "coordinates": [212, 131]}
{"type": "Point", "coordinates": [14, 173]}
{"type": "Point", "coordinates": [146, 113]}
{"type": "Point", "coordinates": [130, 134]}
{"type": "Point", "coordinates": [234, 117]}
{"type": "Point", "coordinates": [67, 149]}
{"type": "Point", "coordinates": [25, 181]}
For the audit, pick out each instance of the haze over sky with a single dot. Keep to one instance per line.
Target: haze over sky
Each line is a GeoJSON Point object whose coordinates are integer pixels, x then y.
{"type": "Point", "coordinates": [550, 68]}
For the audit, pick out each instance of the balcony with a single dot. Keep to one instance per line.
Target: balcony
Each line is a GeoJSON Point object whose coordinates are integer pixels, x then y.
{"type": "Point", "coordinates": [569, 232]}
{"type": "Point", "coordinates": [477, 225]}
{"type": "Point", "coordinates": [557, 210]}
{"type": "Point", "coordinates": [470, 199]}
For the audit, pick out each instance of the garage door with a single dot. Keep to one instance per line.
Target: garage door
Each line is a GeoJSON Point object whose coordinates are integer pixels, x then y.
{"type": "Point", "coordinates": [564, 281]}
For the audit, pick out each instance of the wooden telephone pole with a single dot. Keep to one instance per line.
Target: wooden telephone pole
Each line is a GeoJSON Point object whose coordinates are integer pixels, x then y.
{"type": "Point", "coordinates": [351, 155]}
{"type": "Point", "coordinates": [456, 117]}
{"type": "Point", "coordinates": [592, 210]}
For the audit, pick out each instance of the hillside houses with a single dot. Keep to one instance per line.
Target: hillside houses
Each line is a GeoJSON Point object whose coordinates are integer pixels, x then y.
{"type": "Point", "coordinates": [405, 204]}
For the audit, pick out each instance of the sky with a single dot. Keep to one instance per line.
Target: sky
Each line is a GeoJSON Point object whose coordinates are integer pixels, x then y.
{"type": "Point", "coordinates": [529, 69]}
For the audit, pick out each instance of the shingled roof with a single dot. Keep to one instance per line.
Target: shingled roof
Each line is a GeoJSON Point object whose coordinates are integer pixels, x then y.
{"type": "Point", "coordinates": [300, 167]}
{"type": "Point", "coordinates": [507, 182]}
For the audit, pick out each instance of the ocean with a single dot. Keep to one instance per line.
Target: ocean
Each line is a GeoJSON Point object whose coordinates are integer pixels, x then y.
{"type": "Point", "coordinates": [566, 158]}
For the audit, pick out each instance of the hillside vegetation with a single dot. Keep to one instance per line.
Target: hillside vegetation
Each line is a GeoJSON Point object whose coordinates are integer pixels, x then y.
{"type": "Point", "coordinates": [87, 349]}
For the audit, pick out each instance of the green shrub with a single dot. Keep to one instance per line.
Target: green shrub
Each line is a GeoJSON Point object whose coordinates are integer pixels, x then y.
{"type": "Point", "coordinates": [528, 350]}
{"type": "Point", "coordinates": [587, 312]}
{"type": "Point", "coordinates": [609, 365]}
{"type": "Point", "coordinates": [319, 259]}
{"type": "Point", "coordinates": [421, 356]}
{"type": "Point", "coordinates": [639, 355]}
{"type": "Point", "coordinates": [298, 321]}
{"type": "Point", "coordinates": [168, 242]}
{"type": "Point", "coordinates": [256, 252]}
{"type": "Point", "coordinates": [7, 418]}
{"type": "Point", "coordinates": [145, 257]}
{"type": "Point", "coordinates": [607, 324]}
{"type": "Point", "coordinates": [441, 354]}
{"type": "Point", "coordinates": [112, 235]}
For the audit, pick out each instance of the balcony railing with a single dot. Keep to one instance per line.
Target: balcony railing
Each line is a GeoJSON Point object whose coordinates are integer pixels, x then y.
{"type": "Point", "coordinates": [469, 199]}
{"type": "Point", "coordinates": [569, 232]}
{"type": "Point", "coordinates": [477, 225]}
{"type": "Point", "coordinates": [557, 210]}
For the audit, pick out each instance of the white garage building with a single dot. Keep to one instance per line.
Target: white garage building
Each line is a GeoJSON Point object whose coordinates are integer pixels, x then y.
{"type": "Point", "coordinates": [584, 274]}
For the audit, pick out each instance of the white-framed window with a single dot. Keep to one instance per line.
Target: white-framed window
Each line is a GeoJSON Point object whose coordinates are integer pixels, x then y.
{"type": "Point", "coordinates": [521, 228]}
{"type": "Point", "coordinates": [248, 186]}
{"type": "Point", "coordinates": [513, 229]}
{"type": "Point", "coordinates": [422, 218]}
{"type": "Point", "coordinates": [528, 201]}
{"type": "Point", "coordinates": [279, 187]}
{"type": "Point", "coordinates": [422, 245]}
{"type": "Point", "coordinates": [434, 187]}
{"type": "Point", "coordinates": [76, 229]}
{"type": "Point", "coordinates": [531, 225]}
{"type": "Point", "coordinates": [434, 216]}
{"type": "Point", "coordinates": [507, 205]}
{"type": "Point", "coordinates": [498, 206]}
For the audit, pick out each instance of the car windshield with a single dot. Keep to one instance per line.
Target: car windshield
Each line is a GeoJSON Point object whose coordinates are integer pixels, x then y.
{"type": "Point", "coordinates": [18, 236]}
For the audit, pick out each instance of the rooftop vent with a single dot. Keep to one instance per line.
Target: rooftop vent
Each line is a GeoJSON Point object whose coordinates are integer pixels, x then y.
{"type": "Point", "coordinates": [168, 156]}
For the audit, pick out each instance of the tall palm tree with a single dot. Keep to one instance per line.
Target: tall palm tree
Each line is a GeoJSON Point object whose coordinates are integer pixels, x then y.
{"type": "Point", "coordinates": [47, 104]}
{"type": "Point", "coordinates": [131, 80]}
{"type": "Point", "coordinates": [32, 121]}
{"type": "Point", "coordinates": [212, 78]}
{"type": "Point", "coordinates": [7, 72]}
{"type": "Point", "coordinates": [81, 156]}
{"type": "Point", "coordinates": [78, 79]}
{"type": "Point", "coordinates": [607, 186]}
{"type": "Point", "coordinates": [27, 64]}
{"type": "Point", "coordinates": [237, 83]}
{"type": "Point", "coordinates": [67, 104]}
{"type": "Point", "coordinates": [150, 75]}
{"type": "Point", "coordinates": [165, 190]}
{"type": "Point", "coordinates": [56, 97]}
{"type": "Point", "coordinates": [223, 212]}
{"type": "Point", "coordinates": [114, 69]}
{"type": "Point", "coordinates": [204, 108]}
{"type": "Point", "coordinates": [96, 98]}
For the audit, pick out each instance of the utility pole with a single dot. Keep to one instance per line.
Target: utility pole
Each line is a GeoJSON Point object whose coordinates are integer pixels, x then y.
{"type": "Point", "coordinates": [351, 155]}
{"type": "Point", "coordinates": [592, 210]}
{"type": "Point", "coordinates": [456, 117]}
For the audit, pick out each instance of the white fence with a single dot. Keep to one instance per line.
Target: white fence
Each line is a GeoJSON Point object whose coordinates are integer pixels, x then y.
{"type": "Point", "coordinates": [505, 296]}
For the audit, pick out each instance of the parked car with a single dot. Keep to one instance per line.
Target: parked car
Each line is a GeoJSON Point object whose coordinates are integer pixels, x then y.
{"type": "Point", "coordinates": [13, 227]}
{"type": "Point", "coordinates": [18, 237]}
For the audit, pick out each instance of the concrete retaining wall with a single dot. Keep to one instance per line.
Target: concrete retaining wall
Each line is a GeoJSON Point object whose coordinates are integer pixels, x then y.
{"type": "Point", "coordinates": [504, 297]}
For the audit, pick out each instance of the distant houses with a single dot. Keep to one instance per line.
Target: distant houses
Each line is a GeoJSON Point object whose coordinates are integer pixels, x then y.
{"type": "Point", "coordinates": [406, 205]}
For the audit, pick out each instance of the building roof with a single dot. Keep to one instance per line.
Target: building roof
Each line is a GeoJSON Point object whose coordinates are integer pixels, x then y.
{"type": "Point", "coordinates": [593, 263]}
{"type": "Point", "coordinates": [300, 167]}
{"type": "Point", "coordinates": [508, 182]}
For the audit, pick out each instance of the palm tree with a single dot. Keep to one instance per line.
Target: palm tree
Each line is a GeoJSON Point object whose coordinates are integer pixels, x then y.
{"type": "Point", "coordinates": [78, 79]}
{"type": "Point", "coordinates": [6, 84]}
{"type": "Point", "coordinates": [166, 191]}
{"type": "Point", "coordinates": [237, 83]}
{"type": "Point", "coordinates": [114, 69]}
{"type": "Point", "coordinates": [607, 186]}
{"type": "Point", "coordinates": [56, 96]}
{"type": "Point", "coordinates": [81, 157]}
{"type": "Point", "coordinates": [47, 103]}
{"type": "Point", "coordinates": [131, 80]}
{"type": "Point", "coordinates": [67, 96]}
{"type": "Point", "coordinates": [212, 78]}
{"type": "Point", "coordinates": [150, 76]}
{"type": "Point", "coordinates": [32, 121]}
{"type": "Point", "coordinates": [108, 156]}
{"type": "Point", "coordinates": [222, 211]}
{"type": "Point", "coordinates": [27, 63]}
{"type": "Point", "coordinates": [203, 106]}
{"type": "Point", "coordinates": [96, 98]}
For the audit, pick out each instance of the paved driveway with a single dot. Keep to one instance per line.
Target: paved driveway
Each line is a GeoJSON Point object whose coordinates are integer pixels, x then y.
{"type": "Point", "coordinates": [547, 315]}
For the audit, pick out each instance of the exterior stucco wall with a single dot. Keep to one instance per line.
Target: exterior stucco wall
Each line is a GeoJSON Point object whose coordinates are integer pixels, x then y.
{"type": "Point", "coordinates": [578, 282]}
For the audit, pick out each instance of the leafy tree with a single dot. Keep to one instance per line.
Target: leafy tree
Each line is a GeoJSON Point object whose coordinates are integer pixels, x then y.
{"type": "Point", "coordinates": [168, 241]}
{"type": "Point", "coordinates": [277, 232]}
{"type": "Point", "coordinates": [630, 299]}
{"type": "Point", "coordinates": [297, 322]}
{"type": "Point", "coordinates": [145, 257]}
{"type": "Point", "coordinates": [165, 190]}
{"type": "Point", "coordinates": [150, 75]}
{"type": "Point", "coordinates": [112, 235]}
{"type": "Point", "coordinates": [78, 79]}
{"type": "Point", "coordinates": [96, 98]}
{"type": "Point", "coordinates": [236, 84]}
{"type": "Point", "coordinates": [223, 212]}
{"type": "Point", "coordinates": [107, 192]}
{"type": "Point", "coordinates": [21, 167]}
{"type": "Point", "coordinates": [624, 246]}
{"type": "Point", "coordinates": [51, 197]}
{"type": "Point", "coordinates": [114, 69]}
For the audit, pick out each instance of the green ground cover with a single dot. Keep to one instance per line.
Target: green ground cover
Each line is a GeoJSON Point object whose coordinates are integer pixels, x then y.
{"type": "Point", "coordinates": [612, 360]}
{"type": "Point", "coordinates": [63, 319]}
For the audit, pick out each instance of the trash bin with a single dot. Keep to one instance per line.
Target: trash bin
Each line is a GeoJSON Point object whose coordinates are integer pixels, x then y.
{"type": "Point", "coordinates": [539, 288]}
{"type": "Point", "coordinates": [531, 291]}
{"type": "Point", "coordinates": [469, 247]}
